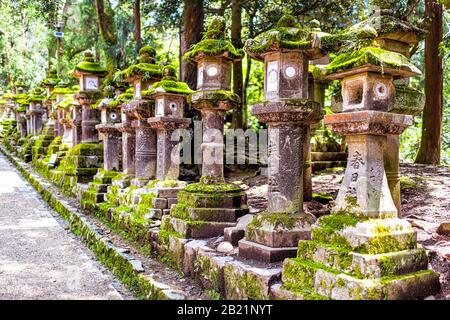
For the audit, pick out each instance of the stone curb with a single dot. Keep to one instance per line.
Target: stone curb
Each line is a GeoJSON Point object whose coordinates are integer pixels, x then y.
{"type": "Point", "coordinates": [127, 269]}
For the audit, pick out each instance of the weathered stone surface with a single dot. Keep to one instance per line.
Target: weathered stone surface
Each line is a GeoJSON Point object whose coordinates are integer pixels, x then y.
{"type": "Point", "coordinates": [190, 255]}
{"type": "Point", "coordinates": [199, 230]}
{"type": "Point", "coordinates": [209, 269]}
{"type": "Point", "coordinates": [258, 252]}
{"type": "Point", "coordinates": [159, 203]}
{"type": "Point", "coordinates": [234, 235]}
{"type": "Point", "coordinates": [245, 282]}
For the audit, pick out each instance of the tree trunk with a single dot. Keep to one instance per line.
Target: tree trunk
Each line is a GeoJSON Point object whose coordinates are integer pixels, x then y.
{"type": "Point", "coordinates": [430, 146]}
{"type": "Point", "coordinates": [191, 33]}
{"type": "Point", "coordinates": [236, 39]}
{"type": "Point", "coordinates": [106, 25]}
{"type": "Point", "coordinates": [137, 22]}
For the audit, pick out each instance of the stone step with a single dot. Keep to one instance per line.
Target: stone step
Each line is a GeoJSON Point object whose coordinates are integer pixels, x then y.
{"type": "Point", "coordinates": [307, 275]}
{"type": "Point", "coordinates": [207, 214]}
{"type": "Point", "coordinates": [197, 229]}
{"type": "Point", "coordinates": [374, 236]}
{"type": "Point", "coordinates": [364, 265]}
{"type": "Point", "coordinates": [233, 200]}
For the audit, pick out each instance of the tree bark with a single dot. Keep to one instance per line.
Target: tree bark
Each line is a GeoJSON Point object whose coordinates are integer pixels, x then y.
{"type": "Point", "coordinates": [430, 146]}
{"type": "Point", "coordinates": [137, 22]}
{"type": "Point", "coordinates": [238, 82]}
{"type": "Point", "coordinates": [191, 33]}
{"type": "Point", "coordinates": [106, 25]}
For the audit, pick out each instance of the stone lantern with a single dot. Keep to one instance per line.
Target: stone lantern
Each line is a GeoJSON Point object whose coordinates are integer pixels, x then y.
{"type": "Point", "coordinates": [136, 112]}
{"type": "Point", "coordinates": [36, 111]}
{"type": "Point", "coordinates": [22, 120]}
{"type": "Point", "coordinates": [49, 83]}
{"type": "Point", "coordinates": [170, 99]}
{"type": "Point", "coordinates": [395, 33]}
{"type": "Point", "coordinates": [363, 250]}
{"type": "Point", "coordinates": [90, 75]}
{"type": "Point", "coordinates": [286, 52]}
{"type": "Point", "coordinates": [205, 209]}
{"type": "Point", "coordinates": [112, 140]}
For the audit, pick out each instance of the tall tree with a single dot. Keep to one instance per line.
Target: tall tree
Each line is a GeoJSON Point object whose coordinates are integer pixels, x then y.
{"type": "Point", "coordinates": [238, 82]}
{"type": "Point", "coordinates": [430, 145]}
{"type": "Point", "coordinates": [105, 15]}
{"type": "Point", "coordinates": [191, 33]}
{"type": "Point", "coordinates": [137, 23]}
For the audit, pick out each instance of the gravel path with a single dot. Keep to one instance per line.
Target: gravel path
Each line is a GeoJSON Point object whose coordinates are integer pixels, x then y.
{"type": "Point", "coordinates": [39, 259]}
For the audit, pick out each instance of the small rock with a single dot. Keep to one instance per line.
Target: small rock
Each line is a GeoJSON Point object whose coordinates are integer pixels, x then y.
{"type": "Point", "coordinates": [430, 298]}
{"type": "Point", "coordinates": [225, 247]}
{"type": "Point", "coordinates": [244, 221]}
{"type": "Point", "coordinates": [444, 229]}
{"type": "Point", "coordinates": [137, 265]}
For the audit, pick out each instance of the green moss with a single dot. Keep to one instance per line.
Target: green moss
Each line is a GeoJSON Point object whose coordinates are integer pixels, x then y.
{"type": "Point", "coordinates": [408, 183]}
{"type": "Point", "coordinates": [212, 188]}
{"type": "Point", "coordinates": [322, 198]}
{"type": "Point", "coordinates": [213, 96]}
{"type": "Point", "coordinates": [212, 47]}
{"type": "Point", "coordinates": [278, 220]}
{"type": "Point", "coordinates": [146, 71]}
{"type": "Point", "coordinates": [369, 55]}
{"type": "Point", "coordinates": [170, 86]}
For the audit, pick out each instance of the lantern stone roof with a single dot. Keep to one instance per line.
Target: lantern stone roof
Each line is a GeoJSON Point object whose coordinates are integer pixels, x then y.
{"type": "Point", "coordinates": [88, 66]}
{"type": "Point", "coordinates": [287, 35]}
{"type": "Point", "coordinates": [170, 84]}
{"type": "Point", "coordinates": [357, 48]}
{"type": "Point", "coordinates": [213, 44]}
{"type": "Point", "coordinates": [51, 80]}
{"type": "Point", "coordinates": [121, 99]}
{"type": "Point", "coordinates": [372, 59]}
{"type": "Point", "coordinates": [65, 103]}
{"type": "Point", "coordinates": [146, 69]}
{"type": "Point", "coordinates": [8, 95]}
{"type": "Point", "coordinates": [37, 95]}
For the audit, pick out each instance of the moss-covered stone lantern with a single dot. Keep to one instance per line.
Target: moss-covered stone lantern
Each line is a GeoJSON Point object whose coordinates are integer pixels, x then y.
{"type": "Point", "coordinates": [396, 34]}
{"type": "Point", "coordinates": [136, 112]}
{"type": "Point", "coordinates": [36, 111]}
{"type": "Point", "coordinates": [90, 74]}
{"type": "Point", "coordinates": [170, 99]}
{"type": "Point", "coordinates": [112, 142]}
{"type": "Point", "coordinates": [363, 250]}
{"type": "Point", "coordinates": [206, 208]}
{"type": "Point", "coordinates": [286, 52]}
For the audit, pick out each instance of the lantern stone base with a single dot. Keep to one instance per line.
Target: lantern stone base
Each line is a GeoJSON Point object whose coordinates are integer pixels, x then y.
{"type": "Point", "coordinates": [360, 259]}
{"type": "Point", "coordinates": [82, 162]}
{"type": "Point", "coordinates": [274, 237]}
{"type": "Point", "coordinates": [97, 189]}
{"type": "Point", "coordinates": [204, 211]}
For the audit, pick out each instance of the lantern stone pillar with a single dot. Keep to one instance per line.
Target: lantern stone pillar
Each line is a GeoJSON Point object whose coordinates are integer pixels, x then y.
{"type": "Point", "coordinates": [351, 248]}
{"type": "Point", "coordinates": [289, 113]}
{"type": "Point", "coordinates": [206, 208]}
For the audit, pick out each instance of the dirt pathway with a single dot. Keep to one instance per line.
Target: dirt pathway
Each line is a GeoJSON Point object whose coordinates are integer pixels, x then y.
{"type": "Point", "coordinates": [38, 258]}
